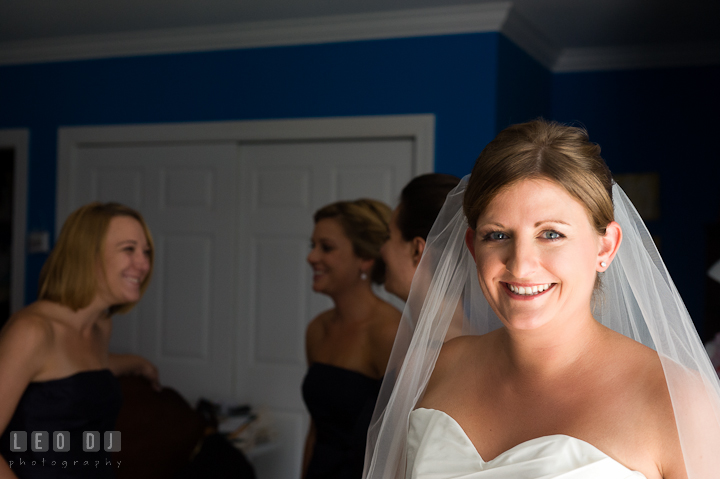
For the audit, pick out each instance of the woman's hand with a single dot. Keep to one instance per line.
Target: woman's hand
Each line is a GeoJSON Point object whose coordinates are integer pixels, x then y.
{"type": "Point", "coordinates": [132, 364]}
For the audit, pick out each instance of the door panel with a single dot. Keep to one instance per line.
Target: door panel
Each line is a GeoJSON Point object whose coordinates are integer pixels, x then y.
{"type": "Point", "coordinates": [186, 297]}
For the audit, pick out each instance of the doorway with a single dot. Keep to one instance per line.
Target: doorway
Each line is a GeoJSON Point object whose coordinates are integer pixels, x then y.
{"type": "Point", "coordinates": [13, 188]}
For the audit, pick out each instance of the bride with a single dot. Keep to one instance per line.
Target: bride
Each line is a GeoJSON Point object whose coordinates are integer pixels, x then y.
{"type": "Point", "coordinates": [548, 339]}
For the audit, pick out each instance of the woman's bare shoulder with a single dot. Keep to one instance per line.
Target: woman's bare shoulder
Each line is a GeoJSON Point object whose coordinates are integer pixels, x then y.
{"type": "Point", "coordinates": [461, 347]}
{"type": "Point", "coordinates": [456, 357]}
{"type": "Point", "coordinates": [25, 341]}
{"type": "Point", "coordinates": [321, 320]}
{"type": "Point", "coordinates": [385, 323]}
{"type": "Point", "coordinates": [633, 366]}
{"type": "Point", "coordinates": [388, 310]}
{"type": "Point", "coordinates": [649, 412]}
{"type": "Point", "coordinates": [641, 364]}
{"type": "Point", "coordinates": [30, 324]}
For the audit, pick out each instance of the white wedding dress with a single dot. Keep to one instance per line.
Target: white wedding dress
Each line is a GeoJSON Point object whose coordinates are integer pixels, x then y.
{"type": "Point", "coordinates": [438, 448]}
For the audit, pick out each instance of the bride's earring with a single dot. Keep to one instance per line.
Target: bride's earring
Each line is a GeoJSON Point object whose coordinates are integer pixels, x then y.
{"type": "Point", "coordinates": [603, 264]}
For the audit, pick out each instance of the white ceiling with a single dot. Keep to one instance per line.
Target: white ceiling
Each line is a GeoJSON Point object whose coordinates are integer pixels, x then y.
{"type": "Point", "coordinates": [564, 25]}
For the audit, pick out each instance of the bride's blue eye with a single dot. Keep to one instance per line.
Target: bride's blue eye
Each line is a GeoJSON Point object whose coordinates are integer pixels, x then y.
{"type": "Point", "coordinates": [552, 235]}
{"type": "Point", "coordinates": [495, 236]}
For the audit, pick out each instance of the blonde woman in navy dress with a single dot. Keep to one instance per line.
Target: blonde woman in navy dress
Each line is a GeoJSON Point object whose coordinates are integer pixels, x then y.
{"type": "Point", "coordinates": [347, 346]}
{"type": "Point", "coordinates": [56, 373]}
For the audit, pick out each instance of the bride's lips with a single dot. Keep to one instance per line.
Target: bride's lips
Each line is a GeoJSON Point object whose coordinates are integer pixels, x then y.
{"type": "Point", "coordinates": [527, 292]}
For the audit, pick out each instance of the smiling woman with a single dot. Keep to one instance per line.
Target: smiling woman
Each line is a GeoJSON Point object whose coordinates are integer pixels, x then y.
{"type": "Point", "coordinates": [533, 267]}
{"type": "Point", "coordinates": [575, 356]}
{"type": "Point", "coordinates": [126, 261]}
{"type": "Point", "coordinates": [347, 346]}
{"type": "Point", "coordinates": [92, 236]}
{"type": "Point", "coordinates": [56, 372]}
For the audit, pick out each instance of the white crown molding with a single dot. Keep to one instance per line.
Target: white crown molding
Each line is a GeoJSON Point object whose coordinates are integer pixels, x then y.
{"type": "Point", "coordinates": [479, 18]}
{"type": "Point", "coordinates": [637, 57]}
{"type": "Point", "coordinates": [486, 17]}
{"type": "Point", "coordinates": [525, 35]}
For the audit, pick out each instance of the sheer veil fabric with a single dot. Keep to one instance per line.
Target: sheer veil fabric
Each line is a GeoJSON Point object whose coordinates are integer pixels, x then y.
{"type": "Point", "coordinates": [637, 299]}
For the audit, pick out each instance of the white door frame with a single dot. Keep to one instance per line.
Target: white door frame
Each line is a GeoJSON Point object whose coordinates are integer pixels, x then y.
{"type": "Point", "coordinates": [419, 128]}
{"type": "Point", "coordinates": [18, 140]}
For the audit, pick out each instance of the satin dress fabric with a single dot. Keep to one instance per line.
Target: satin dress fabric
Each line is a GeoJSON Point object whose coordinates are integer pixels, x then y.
{"type": "Point", "coordinates": [438, 448]}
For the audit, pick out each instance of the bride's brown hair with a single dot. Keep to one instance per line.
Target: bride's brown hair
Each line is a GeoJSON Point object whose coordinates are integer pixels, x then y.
{"type": "Point", "coordinates": [542, 149]}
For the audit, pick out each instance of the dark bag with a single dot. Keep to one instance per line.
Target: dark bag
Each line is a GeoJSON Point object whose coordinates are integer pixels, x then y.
{"type": "Point", "coordinates": [159, 430]}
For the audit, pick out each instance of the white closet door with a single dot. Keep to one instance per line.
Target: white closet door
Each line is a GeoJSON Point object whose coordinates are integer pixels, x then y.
{"type": "Point", "coordinates": [185, 321]}
{"type": "Point", "coordinates": [283, 185]}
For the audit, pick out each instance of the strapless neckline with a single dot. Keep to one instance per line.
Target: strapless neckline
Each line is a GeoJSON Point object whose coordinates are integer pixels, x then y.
{"type": "Point", "coordinates": [437, 444]}
{"type": "Point", "coordinates": [87, 400]}
{"type": "Point", "coordinates": [529, 442]}
{"type": "Point", "coordinates": [343, 370]}
{"type": "Point", "coordinates": [72, 376]}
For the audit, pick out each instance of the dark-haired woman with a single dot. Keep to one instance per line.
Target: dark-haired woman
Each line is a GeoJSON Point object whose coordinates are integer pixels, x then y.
{"type": "Point", "coordinates": [420, 202]}
{"type": "Point", "coordinates": [347, 346]}
{"type": "Point", "coordinates": [56, 374]}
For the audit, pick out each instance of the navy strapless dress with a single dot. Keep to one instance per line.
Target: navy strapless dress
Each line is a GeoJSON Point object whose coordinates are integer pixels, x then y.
{"type": "Point", "coordinates": [86, 401]}
{"type": "Point", "coordinates": [341, 403]}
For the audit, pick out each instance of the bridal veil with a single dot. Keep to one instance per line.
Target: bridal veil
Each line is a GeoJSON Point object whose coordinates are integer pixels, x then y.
{"type": "Point", "coordinates": [637, 299]}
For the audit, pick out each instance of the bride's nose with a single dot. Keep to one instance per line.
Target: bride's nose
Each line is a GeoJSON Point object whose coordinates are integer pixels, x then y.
{"type": "Point", "coordinates": [522, 259]}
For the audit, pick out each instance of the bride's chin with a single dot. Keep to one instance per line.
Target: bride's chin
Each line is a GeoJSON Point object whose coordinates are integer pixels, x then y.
{"type": "Point", "coordinates": [524, 322]}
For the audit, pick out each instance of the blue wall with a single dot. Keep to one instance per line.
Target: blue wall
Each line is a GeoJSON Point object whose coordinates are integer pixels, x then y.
{"type": "Point", "coordinates": [524, 87]}
{"type": "Point", "coordinates": [453, 77]}
{"type": "Point", "coordinates": [475, 85]}
{"type": "Point", "coordinates": [666, 121]}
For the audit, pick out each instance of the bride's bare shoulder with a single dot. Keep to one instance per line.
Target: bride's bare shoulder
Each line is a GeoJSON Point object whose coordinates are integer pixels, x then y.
{"type": "Point", "coordinates": [635, 356]}
{"type": "Point", "coordinates": [462, 348]}
{"type": "Point", "coordinates": [456, 356]}
{"type": "Point", "coordinates": [632, 366]}
{"type": "Point", "coordinates": [655, 414]}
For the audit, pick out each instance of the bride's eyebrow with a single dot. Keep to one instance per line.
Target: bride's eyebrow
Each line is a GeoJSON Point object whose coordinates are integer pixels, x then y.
{"type": "Point", "coordinates": [561, 222]}
{"type": "Point", "coordinates": [490, 223]}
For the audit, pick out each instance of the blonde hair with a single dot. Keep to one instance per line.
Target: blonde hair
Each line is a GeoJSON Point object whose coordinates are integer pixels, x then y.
{"type": "Point", "coordinates": [365, 223]}
{"type": "Point", "coordinates": [69, 276]}
{"type": "Point", "coordinates": [542, 150]}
